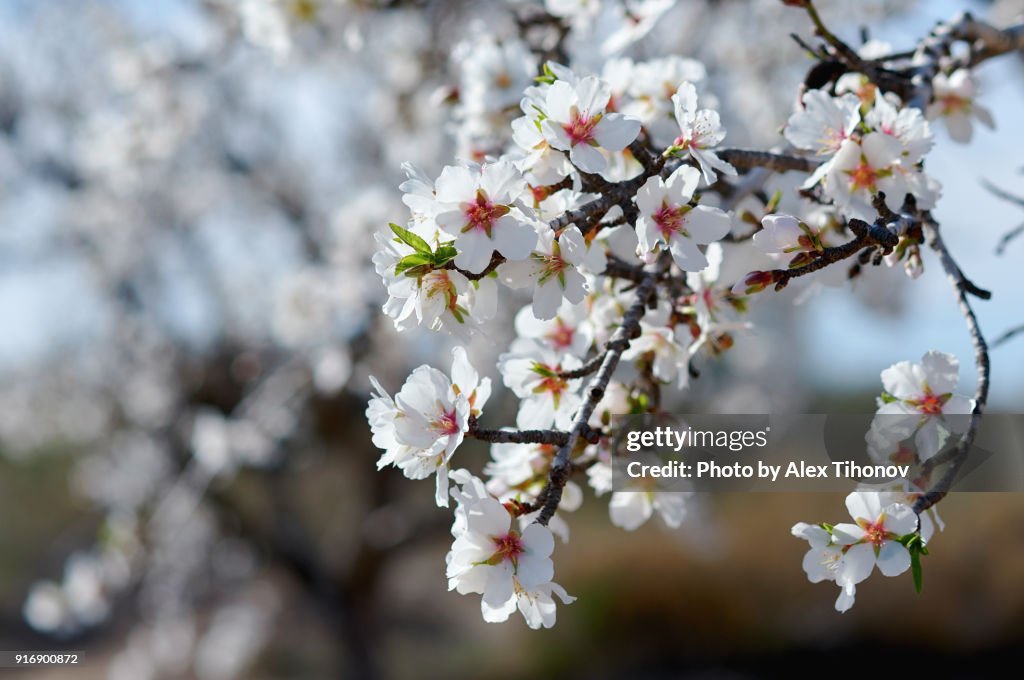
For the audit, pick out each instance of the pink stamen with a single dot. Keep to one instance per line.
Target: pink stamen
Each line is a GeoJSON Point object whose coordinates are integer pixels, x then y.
{"type": "Point", "coordinates": [580, 128]}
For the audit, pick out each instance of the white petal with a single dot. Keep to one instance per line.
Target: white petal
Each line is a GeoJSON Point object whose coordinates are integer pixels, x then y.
{"type": "Point", "coordinates": [856, 564]}
{"type": "Point", "coordinates": [615, 131]}
{"type": "Point", "coordinates": [893, 559]}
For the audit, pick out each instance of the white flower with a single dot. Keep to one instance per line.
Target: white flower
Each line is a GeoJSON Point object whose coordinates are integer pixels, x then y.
{"type": "Point", "coordinates": [906, 124]}
{"type": "Point", "coordinates": [665, 345]}
{"type": "Point", "coordinates": [491, 557]}
{"type": "Point", "coordinates": [538, 606]}
{"type": "Point", "coordinates": [824, 122]}
{"type": "Point", "coordinates": [667, 217]}
{"type": "Point", "coordinates": [953, 100]}
{"type": "Point", "coordinates": [822, 560]}
{"type": "Point", "coordinates": [700, 131]}
{"type": "Point", "coordinates": [422, 426]}
{"type": "Point", "coordinates": [570, 331]}
{"type": "Point", "coordinates": [632, 19]}
{"type": "Point", "coordinates": [543, 163]}
{"type": "Point", "coordinates": [577, 122]}
{"type": "Point", "coordinates": [630, 509]}
{"type": "Point", "coordinates": [553, 270]}
{"type": "Point", "coordinates": [477, 211]}
{"type": "Point", "coordinates": [785, 234]}
{"type": "Point", "coordinates": [860, 169]}
{"type": "Point", "coordinates": [652, 85]}
{"type": "Point", "coordinates": [439, 299]}
{"type": "Point", "coordinates": [872, 540]}
{"type": "Point", "coordinates": [919, 397]}
{"type": "Point", "coordinates": [533, 373]}
{"type": "Point", "coordinates": [493, 74]}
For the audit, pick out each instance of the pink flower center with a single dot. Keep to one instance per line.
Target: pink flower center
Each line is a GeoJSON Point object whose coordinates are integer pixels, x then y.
{"type": "Point", "coordinates": [669, 219]}
{"type": "Point", "coordinates": [562, 336]}
{"type": "Point", "coordinates": [447, 424]}
{"type": "Point", "coordinates": [481, 214]}
{"type": "Point", "coordinates": [863, 176]}
{"type": "Point", "coordinates": [930, 404]}
{"type": "Point", "coordinates": [508, 547]}
{"type": "Point", "coordinates": [683, 142]}
{"type": "Point", "coordinates": [874, 532]}
{"type": "Point", "coordinates": [581, 128]}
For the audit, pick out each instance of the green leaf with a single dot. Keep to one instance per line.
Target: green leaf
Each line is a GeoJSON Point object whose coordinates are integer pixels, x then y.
{"type": "Point", "coordinates": [444, 254]}
{"type": "Point", "coordinates": [410, 239]}
{"type": "Point", "coordinates": [915, 567]}
{"type": "Point", "coordinates": [409, 262]}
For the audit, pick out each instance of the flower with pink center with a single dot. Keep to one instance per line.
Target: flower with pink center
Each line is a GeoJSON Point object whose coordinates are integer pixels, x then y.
{"type": "Point", "coordinates": [426, 421]}
{"type": "Point", "coordinates": [859, 170]}
{"type": "Point", "coordinates": [477, 207]}
{"type": "Point", "coordinates": [534, 373]}
{"type": "Point", "coordinates": [577, 122]}
{"type": "Point", "coordinates": [490, 556]}
{"type": "Point", "coordinates": [824, 122]}
{"type": "Point", "coordinates": [873, 539]}
{"type": "Point", "coordinates": [664, 345]}
{"type": "Point", "coordinates": [667, 219]}
{"type": "Point", "coordinates": [954, 101]}
{"type": "Point", "coordinates": [569, 332]}
{"type": "Point", "coordinates": [919, 401]}
{"type": "Point", "coordinates": [906, 124]}
{"type": "Point", "coordinates": [700, 130]}
{"type": "Point", "coordinates": [553, 270]}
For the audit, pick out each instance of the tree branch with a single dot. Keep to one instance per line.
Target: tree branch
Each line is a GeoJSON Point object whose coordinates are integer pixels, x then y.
{"type": "Point", "coordinates": [561, 466]}
{"type": "Point", "coordinates": [981, 358]}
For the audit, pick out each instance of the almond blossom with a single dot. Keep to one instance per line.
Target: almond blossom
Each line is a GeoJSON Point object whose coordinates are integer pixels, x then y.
{"type": "Point", "coordinates": [553, 270]}
{"type": "Point", "coordinates": [699, 132]}
{"type": "Point", "coordinates": [477, 210]}
{"type": "Point", "coordinates": [631, 509]}
{"type": "Point", "coordinates": [954, 101]}
{"type": "Point", "coordinates": [919, 401]}
{"type": "Point", "coordinates": [824, 122]}
{"type": "Point", "coordinates": [666, 217]}
{"type": "Point", "coordinates": [821, 561]}
{"type": "Point", "coordinates": [533, 373]}
{"type": "Point", "coordinates": [494, 559]}
{"type": "Point", "coordinates": [859, 170]}
{"type": "Point", "coordinates": [577, 122]}
{"type": "Point", "coordinates": [426, 421]}
{"type": "Point", "coordinates": [872, 540]}
{"type": "Point", "coordinates": [569, 331]}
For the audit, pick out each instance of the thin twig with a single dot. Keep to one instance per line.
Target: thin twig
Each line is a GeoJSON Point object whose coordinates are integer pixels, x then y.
{"type": "Point", "coordinates": [1007, 336]}
{"type": "Point", "coordinates": [981, 358]}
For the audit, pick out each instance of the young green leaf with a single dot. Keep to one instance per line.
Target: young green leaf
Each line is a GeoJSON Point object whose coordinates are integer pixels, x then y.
{"type": "Point", "coordinates": [409, 262]}
{"type": "Point", "coordinates": [410, 239]}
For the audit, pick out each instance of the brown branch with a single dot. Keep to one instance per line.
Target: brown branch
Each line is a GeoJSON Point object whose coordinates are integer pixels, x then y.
{"type": "Point", "coordinates": [881, 234]}
{"type": "Point", "coordinates": [586, 369]}
{"type": "Point", "coordinates": [550, 437]}
{"type": "Point", "coordinates": [981, 358]}
{"type": "Point", "coordinates": [561, 466]}
{"type": "Point", "coordinates": [779, 162]}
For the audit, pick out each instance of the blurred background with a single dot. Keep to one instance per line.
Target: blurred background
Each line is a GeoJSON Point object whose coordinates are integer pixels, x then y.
{"type": "Point", "coordinates": [189, 316]}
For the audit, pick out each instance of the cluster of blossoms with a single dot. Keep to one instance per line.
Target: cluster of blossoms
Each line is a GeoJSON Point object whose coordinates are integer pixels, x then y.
{"type": "Point", "coordinates": [917, 415]}
{"type": "Point", "coordinates": [599, 182]}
